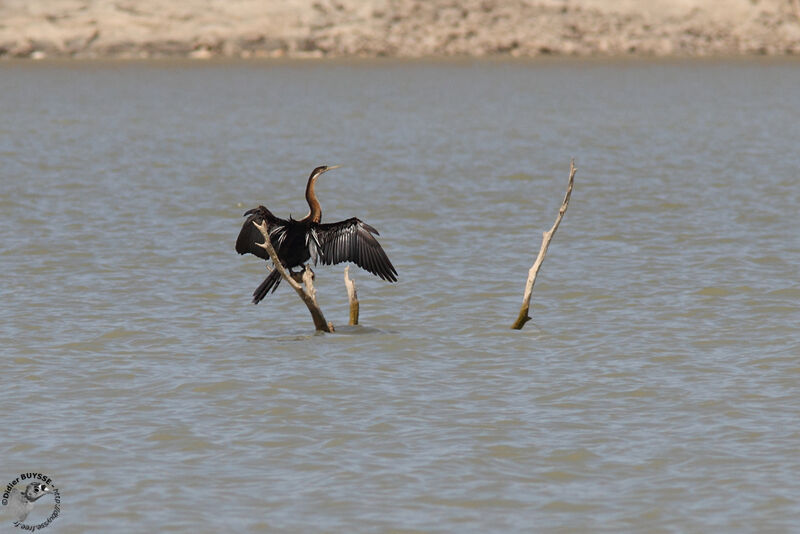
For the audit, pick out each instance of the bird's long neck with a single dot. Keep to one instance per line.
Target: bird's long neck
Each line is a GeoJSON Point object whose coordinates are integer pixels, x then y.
{"type": "Point", "coordinates": [315, 210]}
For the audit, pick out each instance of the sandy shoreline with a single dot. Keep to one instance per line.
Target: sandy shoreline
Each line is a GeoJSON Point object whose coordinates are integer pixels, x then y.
{"type": "Point", "coordinates": [397, 28]}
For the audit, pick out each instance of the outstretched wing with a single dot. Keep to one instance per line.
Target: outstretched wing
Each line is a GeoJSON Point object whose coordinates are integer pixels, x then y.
{"type": "Point", "coordinates": [250, 237]}
{"type": "Point", "coordinates": [354, 240]}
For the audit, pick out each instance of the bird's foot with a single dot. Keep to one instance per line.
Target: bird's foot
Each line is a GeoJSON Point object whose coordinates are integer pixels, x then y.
{"type": "Point", "coordinates": [296, 276]}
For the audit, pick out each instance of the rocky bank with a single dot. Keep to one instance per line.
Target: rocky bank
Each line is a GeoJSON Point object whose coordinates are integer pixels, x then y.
{"type": "Point", "coordinates": [396, 28]}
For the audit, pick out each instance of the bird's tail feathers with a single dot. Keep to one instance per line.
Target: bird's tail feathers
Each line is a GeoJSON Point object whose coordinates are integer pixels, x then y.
{"type": "Point", "coordinates": [270, 284]}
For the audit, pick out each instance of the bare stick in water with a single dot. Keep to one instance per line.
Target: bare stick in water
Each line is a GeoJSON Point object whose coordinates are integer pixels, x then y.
{"type": "Point", "coordinates": [524, 317]}
{"type": "Point", "coordinates": [352, 296]}
{"type": "Point", "coordinates": [307, 293]}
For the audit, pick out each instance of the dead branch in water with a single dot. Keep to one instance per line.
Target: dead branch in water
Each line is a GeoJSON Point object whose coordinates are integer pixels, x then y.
{"type": "Point", "coordinates": [524, 317]}
{"type": "Point", "coordinates": [352, 296]}
{"type": "Point", "coordinates": [306, 292]}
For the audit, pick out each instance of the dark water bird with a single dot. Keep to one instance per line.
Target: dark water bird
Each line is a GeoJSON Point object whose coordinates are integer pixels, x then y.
{"type": "Point", "coordinates": [20, 503]}
{"type": "Point", "coordinates": [298, 241]}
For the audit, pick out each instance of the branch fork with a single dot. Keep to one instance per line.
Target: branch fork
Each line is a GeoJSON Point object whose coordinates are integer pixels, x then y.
{"type": "Point", "coordinates": [306, 291]}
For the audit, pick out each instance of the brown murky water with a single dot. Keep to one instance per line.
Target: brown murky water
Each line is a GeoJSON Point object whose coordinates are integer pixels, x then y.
{"type": "Point", "coordinates": [656, 387]}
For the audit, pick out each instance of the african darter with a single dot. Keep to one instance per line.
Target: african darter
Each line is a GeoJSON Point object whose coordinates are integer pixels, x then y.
{"type": "Point", "coordinates": [297, 241]}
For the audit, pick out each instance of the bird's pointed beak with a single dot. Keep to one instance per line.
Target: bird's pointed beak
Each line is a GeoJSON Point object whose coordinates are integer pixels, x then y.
{"type": "Point", "coordinates": [331, 167]}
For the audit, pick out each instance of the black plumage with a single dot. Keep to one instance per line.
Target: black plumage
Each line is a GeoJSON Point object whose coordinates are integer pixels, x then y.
{"type": "Point", "coordinates": [298, 241]}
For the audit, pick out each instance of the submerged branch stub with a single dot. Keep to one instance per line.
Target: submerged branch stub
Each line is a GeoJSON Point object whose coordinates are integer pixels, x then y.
{"type": "Point", "coordinates": [307, 292]}
{"type": "Point", "coordinates": [352, 296]}
{"type": "Point", "coordinates": [547, 236]}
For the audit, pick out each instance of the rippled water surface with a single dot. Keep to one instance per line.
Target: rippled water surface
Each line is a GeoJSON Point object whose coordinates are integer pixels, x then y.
{"type": "Point", "coordinates": [656, 388]}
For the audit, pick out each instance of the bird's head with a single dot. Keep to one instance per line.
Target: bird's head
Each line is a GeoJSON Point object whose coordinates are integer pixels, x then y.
{"type": "Point", "coordinates": [322, 169]}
